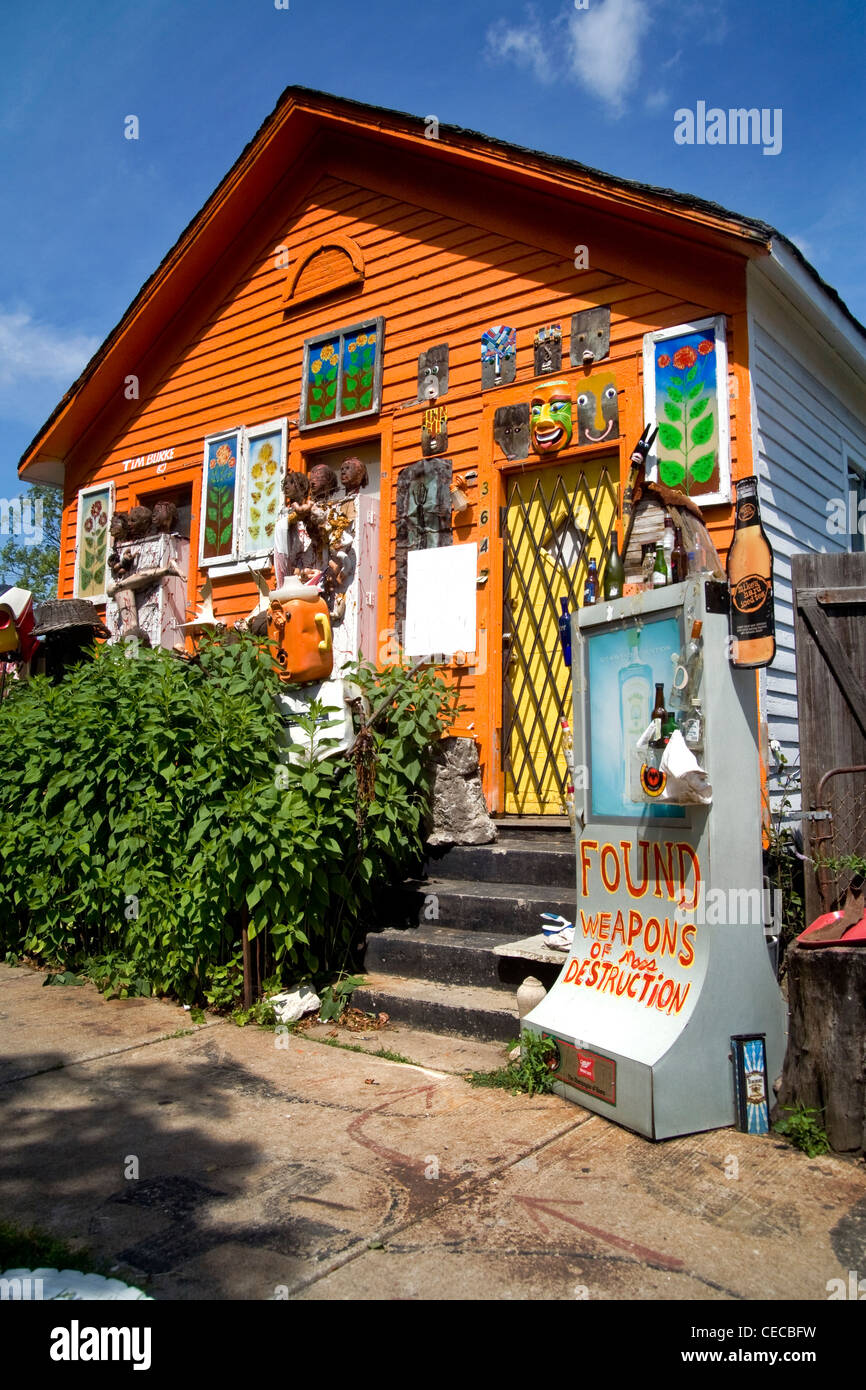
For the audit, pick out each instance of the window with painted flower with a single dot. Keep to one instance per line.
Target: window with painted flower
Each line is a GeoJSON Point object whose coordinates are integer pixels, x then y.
{"type": "Point", "coordinates": [686, 395]}
{"type": "Point", "coordinates": [95, 506]}
{"type": "Point", "coordinates": [243, 471]}
{"type": "Point", "coordinates": [342, 375]}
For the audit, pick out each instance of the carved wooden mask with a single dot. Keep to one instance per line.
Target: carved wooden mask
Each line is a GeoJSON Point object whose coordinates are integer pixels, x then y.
{"type": "Point", "coordinates": [511, 430]}
{"type": "Point", "coordinates": [590, 333]}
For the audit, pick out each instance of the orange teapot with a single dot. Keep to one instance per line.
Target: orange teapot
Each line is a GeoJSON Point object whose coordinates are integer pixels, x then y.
{"type": "Point", "coordinates": [299, 625]}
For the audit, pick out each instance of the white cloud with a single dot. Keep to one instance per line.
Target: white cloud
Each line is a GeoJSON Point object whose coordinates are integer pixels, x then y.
{"type": "Point", "coordinates": [599, 47]}
{"type": "Point", "coordinates": [656, 99]}
{"type": "Point", "coordinates": [606, 47]}
{"type": "Point", "coordinates": [33, 352]}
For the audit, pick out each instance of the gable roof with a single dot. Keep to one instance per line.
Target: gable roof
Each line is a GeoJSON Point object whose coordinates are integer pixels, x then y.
{"type": "Point", "coordinates": [298, 116]}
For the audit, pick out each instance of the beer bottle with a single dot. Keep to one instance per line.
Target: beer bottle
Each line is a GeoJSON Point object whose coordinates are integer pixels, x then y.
{"type": "Point", "coordinates": [679, 559]}
{"type": "Point", "coordinates": [659, 717]}
{"type": "Point", "coordinates": [660, 569]}
{"type": "Point", "coordinates": [614, 574]}
{"type": "Point", "coordinates": [590, 585]}
{"type": "Point", "coordinates": [750, 583]}
{"type": "Point", "coordinates": [564, 622]}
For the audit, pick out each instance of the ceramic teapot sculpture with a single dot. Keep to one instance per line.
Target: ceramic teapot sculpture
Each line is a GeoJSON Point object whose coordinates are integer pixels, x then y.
{"type": "Point", "coordinates": [299, 625]}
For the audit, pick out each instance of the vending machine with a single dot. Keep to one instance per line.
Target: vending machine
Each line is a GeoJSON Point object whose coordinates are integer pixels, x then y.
{"type": "Point", "coordinates": [668, 986]}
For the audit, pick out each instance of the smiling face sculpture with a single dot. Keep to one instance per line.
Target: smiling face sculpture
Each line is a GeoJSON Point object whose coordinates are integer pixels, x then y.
{"type": "Point", "coordinates": [550, 417]}
{"type": "Point", "coordinates": [598, 409]}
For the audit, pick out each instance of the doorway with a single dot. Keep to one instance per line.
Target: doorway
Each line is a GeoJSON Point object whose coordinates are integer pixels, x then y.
{"type": "Point", "coordinates": [556, 518]}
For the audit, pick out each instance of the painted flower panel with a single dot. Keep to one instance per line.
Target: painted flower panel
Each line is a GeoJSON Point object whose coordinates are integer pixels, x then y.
{"type": "Point", "coordinates": [263, 496]}
{"type": "Point", "coordinates": [322, 382]}
{"type": "Point", "coordinates": [95, 513]}
{"type": "Point", "coordinates": [359, 370]}
{"type": "Point", "coordinates": [219, 505]}
{"type": "Point", "coordinates": [687, 406]}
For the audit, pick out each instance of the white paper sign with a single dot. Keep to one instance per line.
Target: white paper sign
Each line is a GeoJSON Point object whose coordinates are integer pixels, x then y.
{"type": "Point", "coordinates": [441, 600]}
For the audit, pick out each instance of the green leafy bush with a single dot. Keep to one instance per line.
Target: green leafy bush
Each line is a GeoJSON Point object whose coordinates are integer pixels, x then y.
{"type": "Point", "coordinates": [530, 1074]}
{"type": "Point", "coordinates": [802, 1126]}
{"type": "Point", "coordinates": [145, 814]}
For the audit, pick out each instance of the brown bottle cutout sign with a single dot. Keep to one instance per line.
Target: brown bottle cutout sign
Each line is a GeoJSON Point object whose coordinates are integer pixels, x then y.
{"type": "Point", "coordinates": [434, 431]}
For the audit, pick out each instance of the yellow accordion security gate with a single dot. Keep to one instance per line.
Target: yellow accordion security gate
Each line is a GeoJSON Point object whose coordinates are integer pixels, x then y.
{"type": "Point", "coordinates": [556, 518]}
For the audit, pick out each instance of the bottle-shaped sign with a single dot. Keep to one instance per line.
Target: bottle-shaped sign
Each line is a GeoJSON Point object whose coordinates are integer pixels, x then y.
{"type": "Point", "coordinates": [660, 569]}
{"type": "Point", "coordinates": [750, 582]}
{"type": "Point", "coordinates": [590, 585]}
{"type": "Point", "coordinates": [614, 574]}
{"type": "Point", "coordinates": [564, 621]}
{"type": "Point", "coordinates": [635, 687]}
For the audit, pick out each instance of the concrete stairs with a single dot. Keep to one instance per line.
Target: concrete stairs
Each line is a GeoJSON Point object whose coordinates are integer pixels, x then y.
{"type": "Point", "coordinates": [438, 969]}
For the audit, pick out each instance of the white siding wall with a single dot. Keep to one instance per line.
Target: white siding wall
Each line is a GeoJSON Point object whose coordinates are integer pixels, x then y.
{"type": "Point", "coordinates": [808, 406]}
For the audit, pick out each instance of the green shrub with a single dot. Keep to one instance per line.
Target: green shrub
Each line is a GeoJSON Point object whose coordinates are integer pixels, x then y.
{"type": "Point", "coordinates": [530, 1074]}
{"type": "Point", "coordinates": [803, 1128]}
{"type": "Point", "coordinates": [145, 814]}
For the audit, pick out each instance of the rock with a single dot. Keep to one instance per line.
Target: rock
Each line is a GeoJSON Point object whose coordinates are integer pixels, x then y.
{"type": "Point", "coordinates": [460, 815]}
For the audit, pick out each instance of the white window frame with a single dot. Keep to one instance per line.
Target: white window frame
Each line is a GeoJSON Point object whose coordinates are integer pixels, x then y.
{"type": "Point", "coordinates": [83, 493]}
{"type": "Point", "coordinates": [241, 560]}
{"type": "Point", "coordinates": [854, 462]}
{"type": "Point", "coordinates": [716, 324]}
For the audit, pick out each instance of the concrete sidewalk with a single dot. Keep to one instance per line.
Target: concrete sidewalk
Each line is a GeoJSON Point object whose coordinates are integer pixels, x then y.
{"type": "Point", "coordinates": [278, 1167]}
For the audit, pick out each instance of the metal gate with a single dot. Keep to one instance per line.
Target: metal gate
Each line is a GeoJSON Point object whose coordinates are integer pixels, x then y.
{"type": "Point", "coordinates": [555, 519]}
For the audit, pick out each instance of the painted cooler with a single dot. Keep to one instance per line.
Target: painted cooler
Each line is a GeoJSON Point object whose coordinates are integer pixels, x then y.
{"type": "Point", "coordinates": [669, 964]}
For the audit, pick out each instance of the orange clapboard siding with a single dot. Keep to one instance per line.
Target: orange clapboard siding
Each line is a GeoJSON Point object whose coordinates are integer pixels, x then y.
{"type": "Point", "coordinates": [443, 261]}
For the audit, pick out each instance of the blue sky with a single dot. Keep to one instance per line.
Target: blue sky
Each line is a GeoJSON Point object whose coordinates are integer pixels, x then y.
{"type": "Point", "coordinates": [89, 214]}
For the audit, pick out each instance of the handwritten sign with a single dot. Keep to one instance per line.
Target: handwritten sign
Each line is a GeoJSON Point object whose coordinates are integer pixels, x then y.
{"type": "Point", "coordinates": [160, 460]}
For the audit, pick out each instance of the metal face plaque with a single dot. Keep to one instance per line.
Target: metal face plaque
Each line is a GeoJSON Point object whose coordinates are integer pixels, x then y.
{"type": "Point", "coordinates": [434, 431]}
{"type": "Point", "coordinates": [590, 336]}
{"type": "Point", "coordinates": [547, 349]}
{"type": "Point", "coordinates": [585, 1070]}
{"type": "Point", "coordinates": [433, 373]}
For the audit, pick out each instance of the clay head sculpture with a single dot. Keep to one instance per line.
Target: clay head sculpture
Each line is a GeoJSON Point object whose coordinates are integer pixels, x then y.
{"type": "Point", "coordinates": [165, 516]}
{"type": "Point", "coordinates": [119, 526]}
{"type": "Point", "coordinates": [140, 521]}
{"type": "Point", "coordinates": [296, 488]}
{"type": "Point", "coordinates": [353, 474]}
{"type": "Point", "coordinates": [323, 482]}
{"type": "Point", "coordinates": [550, 417]}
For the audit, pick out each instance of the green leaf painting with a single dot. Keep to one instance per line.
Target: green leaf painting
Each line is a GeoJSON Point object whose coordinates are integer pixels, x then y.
{"type": "Point", "coordinates": [686, 391]}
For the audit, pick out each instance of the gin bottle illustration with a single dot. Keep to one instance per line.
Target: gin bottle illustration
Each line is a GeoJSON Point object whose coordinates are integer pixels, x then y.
{"type": "Point", "coordinates": [635, 703]}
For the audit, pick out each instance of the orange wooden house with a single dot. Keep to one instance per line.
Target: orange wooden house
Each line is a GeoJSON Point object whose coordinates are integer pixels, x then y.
{"type": "Point", "coordinates": [343, 228]}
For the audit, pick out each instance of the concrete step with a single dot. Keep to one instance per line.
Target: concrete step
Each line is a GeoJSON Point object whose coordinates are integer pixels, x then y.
{"type": "Point", "coordinates": [514, 908]}
{"type": "Point", "coordinates": [542, 857]}
{"type": "Point", "coordinates": [465, 1010]}
{"type": "Point", "coordinates": [447, 955]}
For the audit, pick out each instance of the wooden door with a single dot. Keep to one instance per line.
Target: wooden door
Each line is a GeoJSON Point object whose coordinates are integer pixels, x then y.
{"type": "Point", "coordinates": [830, 633]}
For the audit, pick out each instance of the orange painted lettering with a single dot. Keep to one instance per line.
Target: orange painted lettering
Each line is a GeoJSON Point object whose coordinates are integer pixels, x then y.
{"type": "Point", "coordinates": [635, 926]}
{"type": "Point", "coordinates": [589, 924]}
{"type": "Point", "coordinates": [654, 925]}
{"type": "Point", "coordinates": [604, 926]}
{"type": "Point", "coordinates": [618, 926]}
{"type": "Point", "coordinates": [683, 850]}
{"type": "Point", "coordinates": [626, 850]}
{"type": "Point", "coordinates": [610, 884]}
{"type": "Point", "coordinates": [666, 870]}
{"type": "Point", "coordinates": [585, 847]}
{"type": "Point", "coordinates": [687, 954]}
